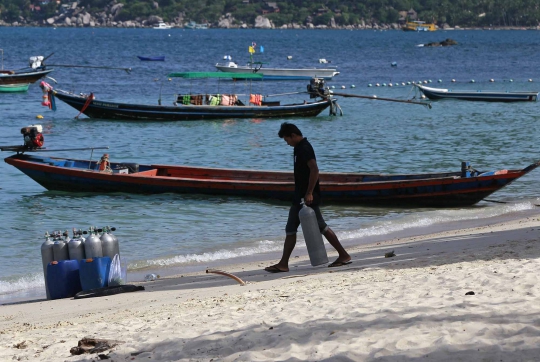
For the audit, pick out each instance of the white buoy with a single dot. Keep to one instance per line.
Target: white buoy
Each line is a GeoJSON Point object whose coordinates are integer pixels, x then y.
{"type": "Point", "coordinates": [377, 85]}
{"type": "Point", "coordinates": [429, 80]}
{"type": "Point", "coordinates": [333, 87]}
{"type": "Point", "coordinates": [402, 83]}
{"type": "Point", "coordinates": [408, 83]}
{"type": "Point", "coordinates": [384, 84]}
{"type": "Point", "coordinates": [472, 80]}
{"type": "Point", "coordinates": [530, 80]}
{"type": "Point", "coordinates": [369, 85]}
{"type": "Point", "coordinates": [353, 86]}
{"type": "Point", "coordinates": [492, 80]}
{"type": "Point", "coordinates": [423, 96]}
{"type": "Point", "coordinates": [374, 96]}
{"type": "Point", "coordinates": [390, 84]}
{"type": "Point", "coordinates": [425, 82]}
{"type": "Point", "coordinates": [439, 81]}
{"type": "Point", "coordinates": [342, 87]}
{"type": "Point", "coordinates": [511, 80]}
{"type": "Point", "coordinates": [453, 80]}
{"type": "Point", "coordinates": [289, 57]}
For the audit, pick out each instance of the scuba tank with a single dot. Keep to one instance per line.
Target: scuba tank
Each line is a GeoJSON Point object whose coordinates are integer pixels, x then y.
{"type": "Point", "coordinates": [46, 258]}
{"type": "Point", "coordinates": [60, 248]}
{"type": "Point", "coordinates": [312, 235]}
{"type": "Point", "coordinates": [92, 244]}
{"type": "Point", "coordinates": [76, 246]}
{"type": "Point", "coordinates": [109, 243]}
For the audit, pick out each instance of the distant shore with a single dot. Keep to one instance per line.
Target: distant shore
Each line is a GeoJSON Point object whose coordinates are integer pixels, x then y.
{"type": "Point", "coordinates": [383, 27]}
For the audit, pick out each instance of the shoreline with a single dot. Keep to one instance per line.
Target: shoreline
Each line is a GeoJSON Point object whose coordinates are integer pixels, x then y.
{"type": "Point", "coordinates": [348, 28]}
{"type": "Point", "coordinates": [410, 306]}
{"type": "Point", "coordinates": [32, 295]}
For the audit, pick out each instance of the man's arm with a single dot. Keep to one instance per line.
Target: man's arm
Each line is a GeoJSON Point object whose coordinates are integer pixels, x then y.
{"type": "Point", "coordinates": [313, 177]}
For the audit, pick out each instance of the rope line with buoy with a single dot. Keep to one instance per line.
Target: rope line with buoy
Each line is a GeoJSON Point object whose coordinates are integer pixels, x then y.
{"type": "Point", "coordinates": [347, 95]}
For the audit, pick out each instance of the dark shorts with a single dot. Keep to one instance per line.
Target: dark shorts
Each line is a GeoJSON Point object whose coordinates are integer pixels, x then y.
{"type": "Point", "coordinates": [294, 220]}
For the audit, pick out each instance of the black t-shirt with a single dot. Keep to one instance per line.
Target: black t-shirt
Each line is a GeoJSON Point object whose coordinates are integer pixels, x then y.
{"type": "Point", "coordinates": [303, 153]}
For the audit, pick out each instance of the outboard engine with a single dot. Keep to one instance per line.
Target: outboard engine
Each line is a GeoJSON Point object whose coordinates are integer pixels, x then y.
{"type": "Point", "coordinates": [92, 244]}
{"type": "Point", "coordinates": [36, 62]}
{"type": "Point", "coordinates": [316, 88]}
{"type": "Point", "coordinates": [109, 243]}
{"type": "Point", "coordinates": [33, 136]}
{"type": "Point", "coordinates": [47, 256]}
{"type": "Point", "coordinates": [76, 246]}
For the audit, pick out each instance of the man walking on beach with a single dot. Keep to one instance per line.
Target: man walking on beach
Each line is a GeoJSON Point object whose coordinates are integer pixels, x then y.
{"type": "Point", "coordinates": [306, 186]}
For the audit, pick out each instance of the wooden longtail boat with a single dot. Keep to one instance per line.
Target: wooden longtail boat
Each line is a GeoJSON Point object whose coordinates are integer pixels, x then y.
{"type": "Point", "coordinates": [486, 96]}
{"type": "Point", "coordinates": [18, 81]}
{"type": "Point", "coordinates": [180, 111]}
{"type": "Point", "coordinates": [446, 189]}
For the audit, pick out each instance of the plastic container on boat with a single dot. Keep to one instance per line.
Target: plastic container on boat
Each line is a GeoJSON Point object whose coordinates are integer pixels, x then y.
{"type": "Point", "coordinates": [63, 279]}
{"type": "Point", "coordinates": [312, 235]}
{"type": "Point", "coordinates": [94, 272]}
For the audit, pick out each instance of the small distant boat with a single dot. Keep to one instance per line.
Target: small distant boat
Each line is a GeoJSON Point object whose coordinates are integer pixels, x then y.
{"type": "Point", "coordinates": [162, 25]}
{"type": "Point", "coordinates": [419, 26]}
{"type": "Point", "coordinates": [160, 58]}
{"type": "Point", "coordinates": [486, 96]}
{"type": "Point", "coordinates": [194, 25]}
{"type": "Point", "coordinates": [278, 73]}
{"type": "Point", "coordinates": [13, 88]}
{"type": "Point", "coordinates": [19, 80]}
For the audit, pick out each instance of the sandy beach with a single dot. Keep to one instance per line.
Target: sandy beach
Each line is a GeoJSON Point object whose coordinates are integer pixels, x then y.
{"type": "Point", "coordinates": [413, 306]}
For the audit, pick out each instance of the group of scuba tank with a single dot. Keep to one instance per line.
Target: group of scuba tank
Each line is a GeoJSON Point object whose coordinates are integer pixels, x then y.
{"type": "Point", "coordinates": [95, 243]}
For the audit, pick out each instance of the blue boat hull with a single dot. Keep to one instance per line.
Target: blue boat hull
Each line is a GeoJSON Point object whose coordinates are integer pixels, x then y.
{"type": "Point", "coordinates": [151, 59]}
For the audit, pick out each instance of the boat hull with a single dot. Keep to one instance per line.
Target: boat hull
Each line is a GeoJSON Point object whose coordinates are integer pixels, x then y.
{"type": "Point", "coordinates": [23, 78]}
{"type": "Point", "coordinates": [136, 112]}
{"type": "Point", "coordinates": [13, 88]}
{"type": "Point", "coordinates": [425, 190]}
{"type": "Point", "coordinates": [282, 74]}
{"type": "Point", "coordinates": [435, 94]}
{"type": "Point", "coordinates": [151, 59]}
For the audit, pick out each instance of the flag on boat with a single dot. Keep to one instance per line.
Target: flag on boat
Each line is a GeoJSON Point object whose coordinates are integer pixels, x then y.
{"type": "Point", "coordinates": [262, 49]}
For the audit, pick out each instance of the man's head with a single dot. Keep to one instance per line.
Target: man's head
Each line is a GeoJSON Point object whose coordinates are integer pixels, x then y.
{"type": "Point", "coordinates": [290, 133]}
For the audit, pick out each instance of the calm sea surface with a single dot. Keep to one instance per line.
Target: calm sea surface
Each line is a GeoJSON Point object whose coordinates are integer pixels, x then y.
{"type": "Point", "coordinates": [183, 231]}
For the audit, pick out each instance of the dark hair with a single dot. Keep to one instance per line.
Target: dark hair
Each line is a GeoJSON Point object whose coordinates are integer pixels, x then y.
{"type": "Point", "coordinates": [287, 129]}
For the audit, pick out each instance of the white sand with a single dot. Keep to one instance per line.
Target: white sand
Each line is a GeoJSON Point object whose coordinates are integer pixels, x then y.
{"type": "Point", "coordinates": [410, 307]}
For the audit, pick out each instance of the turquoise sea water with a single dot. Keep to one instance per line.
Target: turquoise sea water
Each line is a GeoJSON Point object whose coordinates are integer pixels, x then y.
{"type": "Point", "coordinates": [179, 231]}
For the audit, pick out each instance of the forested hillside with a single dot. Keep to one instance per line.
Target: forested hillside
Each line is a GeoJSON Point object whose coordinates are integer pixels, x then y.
{"type": "Point", "coordinates": [464, 13]}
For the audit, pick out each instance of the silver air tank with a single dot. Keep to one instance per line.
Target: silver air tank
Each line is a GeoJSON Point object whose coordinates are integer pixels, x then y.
{"type": "Point", "coordinates": [60, 248]}
{"type": "Point", "coordinates": [46, 258]}
{"type": "Point", "coordinates": [109, 243]}
{"type": "Point", "coordinates": [76, 246]}
{"type": "Point", "coordinates": [312, 235]}
{"type": "Point", "coordinates": [92, 244]}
